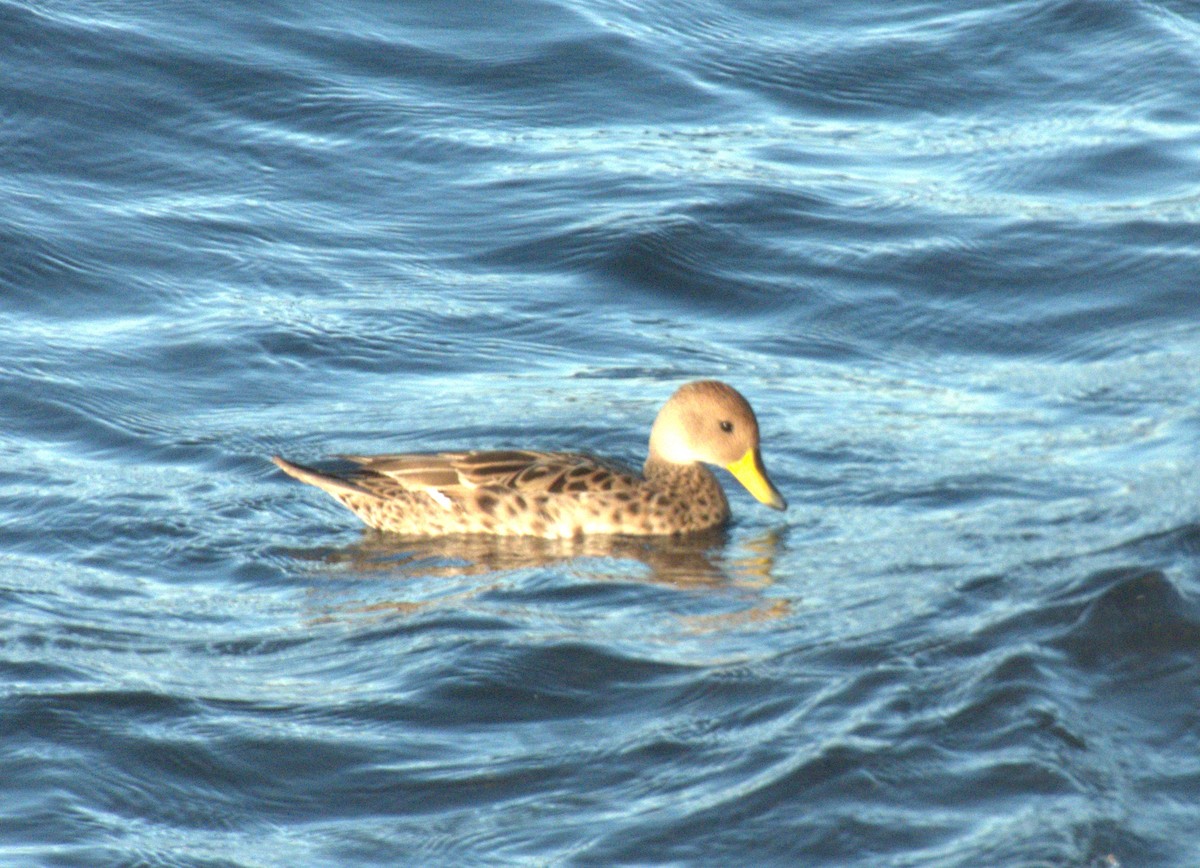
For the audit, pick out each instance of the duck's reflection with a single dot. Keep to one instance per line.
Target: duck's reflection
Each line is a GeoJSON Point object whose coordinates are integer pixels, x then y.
{"type": "Point", "coordinates": [710, 559]}
{"type": "Point", "coordinates": [687, 561]}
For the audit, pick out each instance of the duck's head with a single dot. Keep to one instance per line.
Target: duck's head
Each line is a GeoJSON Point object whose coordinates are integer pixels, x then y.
{"type": "Point", "coordinates": [709, 421]}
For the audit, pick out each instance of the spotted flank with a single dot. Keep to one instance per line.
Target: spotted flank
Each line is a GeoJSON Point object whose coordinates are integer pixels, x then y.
{"type": "Point", "coordinates": [565, 494]}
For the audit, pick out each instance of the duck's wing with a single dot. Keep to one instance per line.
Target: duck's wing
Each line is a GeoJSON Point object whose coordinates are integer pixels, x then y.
{"type": "Point", "coordinates": [453, 474]}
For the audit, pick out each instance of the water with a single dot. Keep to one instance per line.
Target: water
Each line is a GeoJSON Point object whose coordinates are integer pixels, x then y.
{"type": "Point", "coordinates": [950, 253]}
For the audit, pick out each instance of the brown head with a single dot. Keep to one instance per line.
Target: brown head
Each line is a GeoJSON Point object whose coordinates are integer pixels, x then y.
{"type": "Point", "coordinates": [708, 421]}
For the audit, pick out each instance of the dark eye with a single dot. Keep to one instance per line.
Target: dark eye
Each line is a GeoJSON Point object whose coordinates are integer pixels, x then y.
{"type": "Point", "coordinates": [727, 427]}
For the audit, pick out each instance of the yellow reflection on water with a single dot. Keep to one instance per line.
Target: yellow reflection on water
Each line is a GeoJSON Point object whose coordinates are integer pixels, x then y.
{"type": "Point", "coordinates": [691, 562]}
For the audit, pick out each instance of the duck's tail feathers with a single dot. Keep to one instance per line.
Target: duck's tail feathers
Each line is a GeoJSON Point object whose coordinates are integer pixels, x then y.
{"type": "Point", "coordinates": [335, 485]}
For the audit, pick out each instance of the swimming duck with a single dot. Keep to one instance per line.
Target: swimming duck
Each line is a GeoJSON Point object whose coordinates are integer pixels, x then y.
{"type": "Point", "coordinates": [566, 494]}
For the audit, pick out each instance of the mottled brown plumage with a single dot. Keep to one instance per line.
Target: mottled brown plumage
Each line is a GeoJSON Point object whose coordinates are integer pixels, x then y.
{"type": "Point", "coordinates": [565, 494]}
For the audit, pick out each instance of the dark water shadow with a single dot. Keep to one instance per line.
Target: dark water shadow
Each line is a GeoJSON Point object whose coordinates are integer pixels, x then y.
{"type": "Point", "coordinates": [1133, 615]}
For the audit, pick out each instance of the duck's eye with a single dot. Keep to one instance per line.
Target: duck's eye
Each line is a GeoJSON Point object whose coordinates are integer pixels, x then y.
{"type": "Point", "coordinates": [727, 427]}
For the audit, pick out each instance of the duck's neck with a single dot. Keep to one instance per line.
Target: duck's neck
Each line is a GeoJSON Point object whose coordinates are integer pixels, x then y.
{"type": "Point", "coordinates": [693, 485]}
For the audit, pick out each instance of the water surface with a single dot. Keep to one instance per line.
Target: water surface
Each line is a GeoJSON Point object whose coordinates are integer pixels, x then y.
{"type": "Point", "coordinates": [948, 251]}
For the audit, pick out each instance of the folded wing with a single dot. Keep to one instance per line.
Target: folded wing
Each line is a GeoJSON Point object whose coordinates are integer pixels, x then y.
{"type": "Point", "coordinates": [453, 474]}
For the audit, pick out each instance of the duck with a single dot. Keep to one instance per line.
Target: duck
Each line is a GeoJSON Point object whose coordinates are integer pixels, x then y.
{"type": "Point", "coordinates": [559, 495]}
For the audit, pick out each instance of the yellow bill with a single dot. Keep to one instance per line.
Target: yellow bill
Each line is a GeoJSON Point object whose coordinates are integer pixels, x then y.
{"type": "Point", "coordinates": [749, 471]}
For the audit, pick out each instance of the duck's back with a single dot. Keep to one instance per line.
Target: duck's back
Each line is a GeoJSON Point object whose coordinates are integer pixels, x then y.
{"type": "Point", "coordinates": [546, 494]}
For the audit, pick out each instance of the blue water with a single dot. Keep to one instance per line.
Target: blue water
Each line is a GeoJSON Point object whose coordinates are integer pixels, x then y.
{"type": "Point", "coordinates": [950, 252]}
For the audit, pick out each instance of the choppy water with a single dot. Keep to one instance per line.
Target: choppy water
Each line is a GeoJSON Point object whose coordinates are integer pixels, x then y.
{"type": "Point", "coordinates": [949, 251]}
